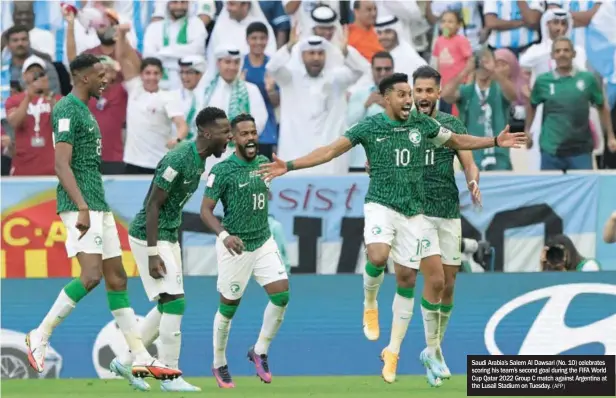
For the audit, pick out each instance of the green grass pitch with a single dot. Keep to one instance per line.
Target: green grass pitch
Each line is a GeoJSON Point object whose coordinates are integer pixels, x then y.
{"type": "Point", "coordinates": [246, 387]}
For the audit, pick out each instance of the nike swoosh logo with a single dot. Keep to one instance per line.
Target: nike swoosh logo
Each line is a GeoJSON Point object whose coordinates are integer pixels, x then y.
{"type": "Point", "coordinates": [381, 139]}
{"type": "Point", "coordinates": [91, 129]}
{"type": "Point", "coordinates": [243, 185]}
{"type": "Point", "coordinates": [187, 182]}
{"type": "Point", "coordinates": [280, 272]}
{"type": "Point", "coordinates": [456, 258]}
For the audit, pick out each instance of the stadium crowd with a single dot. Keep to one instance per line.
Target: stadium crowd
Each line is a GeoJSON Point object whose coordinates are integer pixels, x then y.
{"type": "Point", "coordinates": [306, 71]}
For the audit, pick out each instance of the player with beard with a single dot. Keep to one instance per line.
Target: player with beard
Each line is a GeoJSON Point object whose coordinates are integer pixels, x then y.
{"type": "Point", "coordinates": [244, 247]}
{"type": "Point", "coordinates": [441, 257]}
{"type": "Point", "coordinates": [153, 238]}
{"type": "Point", "coordinates": [395, 144]}
{"type": "Point", "coordinates": [92, 236]}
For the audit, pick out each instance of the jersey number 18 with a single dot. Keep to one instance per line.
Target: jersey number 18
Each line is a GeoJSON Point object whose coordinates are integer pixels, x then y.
{"type": "Point", "coordinates": [258, 201]}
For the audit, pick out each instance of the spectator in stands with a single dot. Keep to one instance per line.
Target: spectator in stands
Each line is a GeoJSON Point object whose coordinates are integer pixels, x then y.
{"type": "Point", "coordinates": [109, 110]}
{"type": "Point", "coordinates": [190, 95]}
{"type": "Point", "coordinates": [7, 148]}
{"type": "Point", "coordinates": [507, 65]}
{"type": "Point", "coordinates": [172, 38]}
{"type": "Point", "coordinates": [230, 30]}
{"type": "Point", "coordinates": [471, 18]}
{"type": "Point", "coordinates": [412, 20]}
{"type": "Point", "coordinates": [362, 35]}
{"type": "Point", "coordinates": [566, 141]}
{"type": "Point", "coordinates": [150, 111]}
{"type": "Point", "coordinates": [367, 101]}
{"type": "Point", "coordinates": [513, 24]}
{"type": "Point", "coordinates": [18, 45]}
{"type": "Point", "coordinates": [582, 13]}
{"type": "Point", "coordinates": [105, 34]}
{"type": "Point", "coordinates": [301, 13]}
{"type": "Point", "coordinates": [392, 38]}
{"type": "Point", "coordinates": [325, 23]}
{"type": "Point", "coordinates": [29, 114]}
{"type": "Point", "coordinates": [537, 60]}
{"type": "Point", "coordinates": [254, 72]}
{"type": "Point", "coordinates": [277, 19]}
{"type": "Point", "coordinates": [204, 9]}
{"type": "Point", "coordinates": [229, 91]}
{"type": "Point", "coordinates": [313, 101]}
{"type": "Point", "coordinates": [451, 52]}
{"type": "Point", "coordinates": [609, 230]}
{"type": "Point", "coordinates": [92, 30]}
{"type": "Point", "coordinates": [483, 105]}
{"type": "Point", "coordinates": [560, 254]}
{"type": "Point", "coordinates": [41, 40]}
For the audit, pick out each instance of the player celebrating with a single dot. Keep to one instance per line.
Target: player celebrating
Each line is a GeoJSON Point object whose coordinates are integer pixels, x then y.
{"type": "Point", "coordinates": [244, 247]}
{"type": "Point", "coordinates": [91, 232]}
{"type": "Point", "coordinates": [395, 146]}
{"type": "Point", "coordinates": [153, 238]}
{"type": "Point", "coordinates": [441, 258]}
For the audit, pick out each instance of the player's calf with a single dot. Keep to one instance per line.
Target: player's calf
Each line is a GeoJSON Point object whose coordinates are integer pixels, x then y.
{"type": "Point", "coordinates": [272, 320]}
{"type": "Point", "coordinates": [222, 326]}
{"type": "Point", "coordinates": [373, 275]}
{"type": "Point", "coordinates": [173, 307]}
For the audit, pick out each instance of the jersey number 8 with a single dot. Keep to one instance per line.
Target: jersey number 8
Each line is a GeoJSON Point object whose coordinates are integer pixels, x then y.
{"type": "Point", "coordinates": [258, 201]}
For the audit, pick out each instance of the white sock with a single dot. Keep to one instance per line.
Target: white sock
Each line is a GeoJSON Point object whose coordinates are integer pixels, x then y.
{"type": "Point", "coordinates": [148, 329]}
{"type": "Point", "coordinates": [171, 339]}
{"type": "Point", "coordinates": [127, 322]}
{"type": "Point", "coordinates": [371, 290]}
{"type": "Point", "coordinates": [403, 311]}
{"type": "Point", "coordinates": [222, 325]}
{"type": "Point", "coordinates": [442, 325]}
{"type": "Point", "coordinates": [431, 325]}
{"type": "Point", "coordinates": [272, 319]}
{"type": "Point", "coordinates": [59, 310]}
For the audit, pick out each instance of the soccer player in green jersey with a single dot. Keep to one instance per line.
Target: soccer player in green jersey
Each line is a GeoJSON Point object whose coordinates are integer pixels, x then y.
{"type": "Point", "coordinates": [441, 252]}
{"type": "Point", "coordinates": [395, 144]}
{"type": "Point", "coordinates": [92, 236]}
{"type": "Point", "coordinates": [244, 247]}
{"type": "Point", "coordinates": [153, 239]}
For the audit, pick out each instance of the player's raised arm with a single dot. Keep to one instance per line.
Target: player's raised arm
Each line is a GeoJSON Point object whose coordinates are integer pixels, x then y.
{"type": "Point", "coordinates": [319, 156]}
{"type": "Point", "coordinates": [463, 141]}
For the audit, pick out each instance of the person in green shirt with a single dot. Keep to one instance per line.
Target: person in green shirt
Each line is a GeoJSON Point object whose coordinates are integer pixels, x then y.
{"type": "Point", "coordinates": [484, 106]}
{"type": "Point", "coordinates": [560, 254]}
{"type": "Point", "coordinates": [566, 93]}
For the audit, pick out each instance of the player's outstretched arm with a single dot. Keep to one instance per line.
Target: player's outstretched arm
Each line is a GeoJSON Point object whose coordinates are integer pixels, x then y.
{"type": "Point", "coordinates": [319, 156]}
{"type": "Point", "coordinates": [156, 199]}
{"type": "Point", "coordinates": [505, 139]}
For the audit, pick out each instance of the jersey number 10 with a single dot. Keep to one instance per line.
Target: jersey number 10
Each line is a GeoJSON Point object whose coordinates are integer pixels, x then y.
{"type": "Point", "coordinates": [258, 201]}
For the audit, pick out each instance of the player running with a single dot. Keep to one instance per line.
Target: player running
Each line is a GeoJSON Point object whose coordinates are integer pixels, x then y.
{"type": "Point", "coordinates": [92, 236]}
{"type": "Point", "coordinates": [395, 144]}
{"type": "Point", "coordinates": [153, 238]}
{"type": "Point", "coordinates": [244, 247]}
{"type": "Point", "coordinates": [441, 258]}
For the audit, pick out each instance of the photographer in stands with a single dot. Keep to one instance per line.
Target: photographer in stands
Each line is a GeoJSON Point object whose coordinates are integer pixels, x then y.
{"type": "Point", "coordinates": [560, 254]}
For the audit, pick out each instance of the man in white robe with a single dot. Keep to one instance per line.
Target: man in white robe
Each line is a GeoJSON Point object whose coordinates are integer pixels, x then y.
{"type": "Point", "coordinates": [227, 90]}
{"type": "Point", "coordinates": [230, 29]}
{"type": "Point", "coordinates": [189, 97]}
{"type": "Point", "coordinates": [313, 97]}
{"type": "Point", "coordinates": [392, 38]}
{"type": "Point", "coordinates": [172, 38]}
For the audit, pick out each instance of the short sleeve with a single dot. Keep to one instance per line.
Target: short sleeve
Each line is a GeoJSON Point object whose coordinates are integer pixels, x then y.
{"type": "Point", "coordinates": [537, 5]}
{"type": "Point", "coordinates": [489, 7]}
{"type": "Point", "coordinates": [465, 47]}
{"type": "Point", "coordinates": [168, 172]}
{"type": "Point", "coordinates": [133, 85]}
{"type": "Point", "coordinates": [535, 95]}
{"type": "Point", "coordinates": [215, 185]}
{"type": "Point", "coordinates": [436, 51]}
{"type": "Point", "coordinates": [596, 93]}
{"type": "Point", "coordinates": [64, 126]}
{"type": "Point", "coordinates": [458, 127]}
{"type": "Point", "coordinates": [356, 133]}
{"type": "Point", "coordinates": [12, 102]}
{"type": "Point", "coordinates": [172, 106]}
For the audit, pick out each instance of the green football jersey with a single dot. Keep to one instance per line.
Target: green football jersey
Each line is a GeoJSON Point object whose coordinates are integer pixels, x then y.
{"type": "Point", "coordinates": [566, 100]}
{"type": "Point", "coordinates": [74, 124]}
{"type": "Point", "coordinates": [396, 152]}
{"type": "Point", "coordinates": [178, 173]}
{"type": "Point", "coordinates": [244, 196]}
{"type": "Point", "coordinates": [442, 196]}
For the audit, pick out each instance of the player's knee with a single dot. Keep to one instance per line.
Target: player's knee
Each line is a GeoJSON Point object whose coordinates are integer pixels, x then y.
{"type": "Point", "coordinates": [435, 283]}
{"type": "Point", "coordinates": [280, 299]}
{"type": "Point", "coordinates": [378, 257]}
{"type": "Point", "coordinates": [176, 306]}
{"type": "Point", "coordinates": [228, 310]}
{"type": "Point", "coordinates": [406, 277]}
{"type": "Point", "coordinates": [448, 289]}
{"type": "Point", "coordinates": [91, 278]}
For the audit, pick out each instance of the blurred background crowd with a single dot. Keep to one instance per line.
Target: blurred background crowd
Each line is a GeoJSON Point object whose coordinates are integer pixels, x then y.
{"type": "Point", "coordinates": [307, 70]}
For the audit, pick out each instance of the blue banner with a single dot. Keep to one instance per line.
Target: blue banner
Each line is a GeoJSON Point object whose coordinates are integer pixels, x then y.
{"type": "Point", "coordinates": [323, 219]}
{"type": "Point", "coordinates": [520, 313]}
